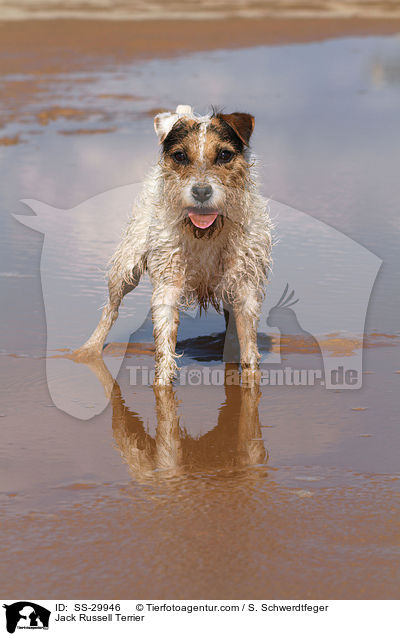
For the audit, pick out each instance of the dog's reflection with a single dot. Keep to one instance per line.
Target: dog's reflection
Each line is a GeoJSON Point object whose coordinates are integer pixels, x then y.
{"type": "Point", "coordinates": [234, 443]}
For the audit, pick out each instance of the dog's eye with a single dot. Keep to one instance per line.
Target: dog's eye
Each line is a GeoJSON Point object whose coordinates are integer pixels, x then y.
{"type": "Point", "coordinates": [180, 156]}
{"type": "Point", "coordinates": [224, 156]}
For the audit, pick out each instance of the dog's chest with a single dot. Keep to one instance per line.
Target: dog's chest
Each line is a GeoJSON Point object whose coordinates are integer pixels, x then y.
{"type": "Point", "coordinates": [204, 265]}
{"type": "Point", "coordinates": [197, 267]}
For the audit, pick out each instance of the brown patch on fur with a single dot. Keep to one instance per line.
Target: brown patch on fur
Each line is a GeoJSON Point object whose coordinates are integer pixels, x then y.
{"type": "Point", "coordinates": [233, 174]}
{"type": "Point", "coordinates": [177, 133]}
{"type": "Point", "coordinates": [242, 124]}
{"type": "Point", "coordinates": [181, 136]}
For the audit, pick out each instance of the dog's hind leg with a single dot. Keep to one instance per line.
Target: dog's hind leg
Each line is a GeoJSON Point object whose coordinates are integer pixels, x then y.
{"type": "Point", "coordinates": [117, 289]}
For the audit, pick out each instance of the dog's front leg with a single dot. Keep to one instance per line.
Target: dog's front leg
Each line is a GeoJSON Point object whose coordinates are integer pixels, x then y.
{"type": "Point", "coordinates": [117, 289]}
{"type": "Point", "coordinates": [165, 312]}
{"type": "Point", "coordinates": [247, 312]}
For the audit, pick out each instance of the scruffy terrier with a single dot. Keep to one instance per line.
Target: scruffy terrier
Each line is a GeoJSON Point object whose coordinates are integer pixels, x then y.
{"type": "Point", "coordinates": [202, 232]}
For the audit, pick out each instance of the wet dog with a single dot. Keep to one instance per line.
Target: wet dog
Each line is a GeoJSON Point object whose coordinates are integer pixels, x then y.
{"type": "Point", "coordinates": [200, 229]}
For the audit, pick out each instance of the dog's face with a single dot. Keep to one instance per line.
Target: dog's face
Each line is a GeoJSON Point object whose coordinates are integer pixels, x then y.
{"type": "Point", "coordinates": [205, 169]}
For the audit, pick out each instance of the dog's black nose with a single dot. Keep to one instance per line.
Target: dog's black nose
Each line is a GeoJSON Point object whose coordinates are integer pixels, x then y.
{"type": "Point", "coordinates": [201, 192]}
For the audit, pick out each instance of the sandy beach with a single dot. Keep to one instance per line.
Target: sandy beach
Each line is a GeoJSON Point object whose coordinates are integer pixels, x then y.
{"type": "Point", "coordinates": [58, 46]}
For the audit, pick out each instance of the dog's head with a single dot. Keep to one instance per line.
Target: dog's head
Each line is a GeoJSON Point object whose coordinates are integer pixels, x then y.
{"type": "Point", "coordinates": [205, 167]}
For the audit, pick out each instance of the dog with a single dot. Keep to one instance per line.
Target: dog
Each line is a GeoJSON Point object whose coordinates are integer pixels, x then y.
{"type": "Point", "coordinates": [201, 230]}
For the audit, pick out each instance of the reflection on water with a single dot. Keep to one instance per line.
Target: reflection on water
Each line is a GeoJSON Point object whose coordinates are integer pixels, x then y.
{"type": "Point", "coordinates": [234, 443]}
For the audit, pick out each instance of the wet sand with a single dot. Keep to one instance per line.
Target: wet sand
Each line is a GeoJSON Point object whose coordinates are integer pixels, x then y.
{"type": "Point", "coordinates": [55, 46]}
{"type": "Point", "coordinates": [41, 51]}
{"type": "Point", "coordinates": [200, 492]}
{"type": "Point", "coordinates": [111, 548]}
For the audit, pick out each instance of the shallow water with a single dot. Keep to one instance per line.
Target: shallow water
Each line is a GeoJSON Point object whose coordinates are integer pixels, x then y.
{"type": "Point", "coordinates": [169, 483]}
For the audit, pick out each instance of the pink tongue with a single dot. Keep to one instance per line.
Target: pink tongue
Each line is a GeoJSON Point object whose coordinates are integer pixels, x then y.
{"type": "Point", "coordinates": [203, 220]}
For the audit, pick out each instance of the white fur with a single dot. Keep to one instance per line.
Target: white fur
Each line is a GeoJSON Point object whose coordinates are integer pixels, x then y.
{"type": "Point", "coordinates": [202, 140]}
{"type": "Point", "coordinates": [230, 267]}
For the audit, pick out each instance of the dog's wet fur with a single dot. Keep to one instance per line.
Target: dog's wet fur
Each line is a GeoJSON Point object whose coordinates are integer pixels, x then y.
{"type": "Point", "coordinates": [200, 229]}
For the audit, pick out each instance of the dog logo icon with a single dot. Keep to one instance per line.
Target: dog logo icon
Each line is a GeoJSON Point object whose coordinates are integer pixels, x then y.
{"type": "Point", "coordinates": [26, 615]}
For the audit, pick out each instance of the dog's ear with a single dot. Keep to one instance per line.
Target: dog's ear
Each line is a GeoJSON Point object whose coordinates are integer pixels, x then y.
{"type": "Point", "coordinates": [163, 122]}
{"type": "Point", "coordinates": [242, 124]}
